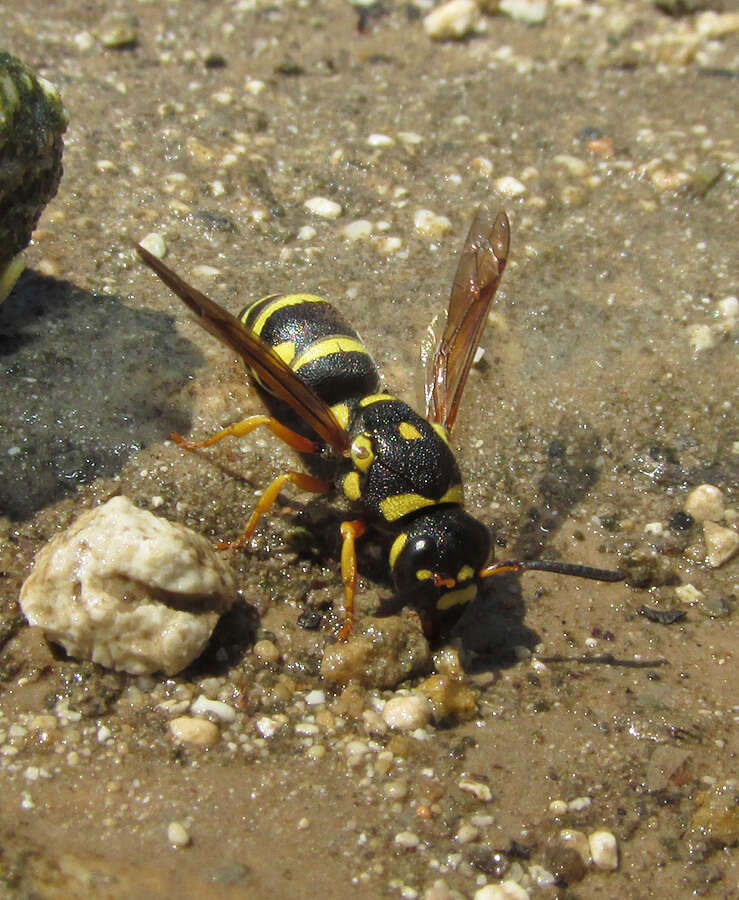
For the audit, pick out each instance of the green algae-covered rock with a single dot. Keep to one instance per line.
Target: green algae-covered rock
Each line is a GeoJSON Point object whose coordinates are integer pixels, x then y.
{"type": "Point", "coordinates": [32, 121]}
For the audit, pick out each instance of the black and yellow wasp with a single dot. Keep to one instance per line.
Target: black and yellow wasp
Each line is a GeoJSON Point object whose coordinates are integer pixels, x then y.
{"type": "Point", "coordinates": [324, 397]}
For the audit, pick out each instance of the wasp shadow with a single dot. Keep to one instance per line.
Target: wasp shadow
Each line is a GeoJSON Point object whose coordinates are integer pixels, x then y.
{"type": "Point", "coordinates": [86, 380]}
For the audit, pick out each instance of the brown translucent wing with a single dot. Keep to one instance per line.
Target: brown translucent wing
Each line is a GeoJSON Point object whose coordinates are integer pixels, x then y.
{"type": "Point", "coordinates": [478, 276]}
{"type": "Point", "coordinates": [273, 372]}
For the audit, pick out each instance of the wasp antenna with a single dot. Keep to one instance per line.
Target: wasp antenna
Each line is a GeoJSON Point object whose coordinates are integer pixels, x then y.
{"type": "Point", "coordinates": [512, 566]}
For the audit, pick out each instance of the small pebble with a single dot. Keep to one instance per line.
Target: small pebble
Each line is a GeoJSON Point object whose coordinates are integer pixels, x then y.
{"type": "Point", "coordinates": [407, 840]}
{"type": "Point", "coordinates": [407, 713]}
{"type": "Point", "coordinates": [177, 834]}
{"type": "Point", "coordinates": [688, 593]}
{"type": "Point", "coordinates": [505, 890]}
{"type": "Point", "coordinates": [266, 652]}
{"type": "Point", "coordinates": [306, 233]}
{"type": "Point", "coordinates": [578, 841]}
{"type": "Point", "coordinates": [315, 698]}
{"type": "Point", "coordinates": [380, 140]}
{"type": "Point", "coordinates": [721, 543]}
{"type": "Point", "coordinates": [509, 186]}
{"type": "Point", "coordinates": [118, 31]}
{"type": "Point", "coordinates": [452, 20]}
{"type": "Point", "coordinates": [323, 207]}
{"type": "Point", "coordinates": [532, 12]}
{"type": "Point", "coordinates": [267, 726]}
{"type": "Point", "coordinates": [573, 164]}
{"type": "Point", "coordinates": [604, 850]}
{"type": "Point", "coordinates": [478, 788]}
{"type": "Point", "coordinates": [466, 833]}
{"type": "Point", "coordinates": [431, 225]}
{"type": "Point", "coordinates": [202, 706]}
{"type": "Point", "coordinates": [198, 732]}
{"type": "Point", "coordinates": [701, 337]}
{"type": "Point", "coordinates": [579, 803]}
{"type": "Point", "coordinates": [355, 231]}
{"type": "Point", "coordinates": [155, 244]}
{"type": "Point", "coordinates": [705, 502]}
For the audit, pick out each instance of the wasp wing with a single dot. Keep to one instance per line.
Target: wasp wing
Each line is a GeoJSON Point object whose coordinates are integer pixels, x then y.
{"type": "Point", "coordinates": [478, 276]}
{"type": "Point", "coordinates": [273, 372]}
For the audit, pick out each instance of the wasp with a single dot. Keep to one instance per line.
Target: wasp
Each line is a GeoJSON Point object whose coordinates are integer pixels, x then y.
{"type": "Point", "coordinates": [324, 398]}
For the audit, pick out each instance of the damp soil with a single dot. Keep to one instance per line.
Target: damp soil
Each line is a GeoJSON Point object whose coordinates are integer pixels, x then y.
{"type": "Point", "coordinates": [605, 394]}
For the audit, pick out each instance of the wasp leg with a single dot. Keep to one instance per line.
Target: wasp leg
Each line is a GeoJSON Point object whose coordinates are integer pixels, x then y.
{"type": "Point", "coordinates": [350, 531]}
{"type": "Point", "coordinates": [246, 426]}
{"type": "Point", "coordinates": [300, 479]}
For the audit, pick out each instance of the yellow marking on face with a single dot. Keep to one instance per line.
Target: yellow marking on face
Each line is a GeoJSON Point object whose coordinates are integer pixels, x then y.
{"type": "Point", "coordinates": [341, 413]}
{"type": "Point", "coordinates": [350, 486]}
{"type": "Point", "coordinates": [409, 432]}
{"type": "Point", "coordinates": [397, 546]}
{"type": "Point", "coordinates": [326, 346]}
{"type": "Point", "coordinates": [399, 505]}
{"type": "Point", "coordinates": [424, 574]}
{"type": "Point", "coordinates": [457, 598]}
{"type": "Point", "coordinates": [375, 398]}
{"type": "Point", "coordinates": [455, 494]}
{"type": "Point", "coordinates": [441, 431]}
{"type": "Point", "coordinates": [288, 300]}
{"type": "Point", "coordinates": [465, 573]}
{"type": "Point", "coordinates": [286, 351]}
{"type": "Point", "coordinates": [362, 452]}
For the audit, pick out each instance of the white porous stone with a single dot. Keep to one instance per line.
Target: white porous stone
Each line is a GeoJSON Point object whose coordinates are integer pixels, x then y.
{"type": "Point", "coordinates": [452, 20]}
{"type": "Point", "coordinates": [203, 706]}
{"type": "Point", "coordinates": [721, 543]}
{"type": "Point", "coordinates": [128, 590]}
{"type": "Point", "coordinates": [705, 502]}
{"type": "Point", "coordinates": [509, 186]}
{"type": "Point", "coordinates": [407, 713]}
{"type": "Point", "coordinates": [604, 850]}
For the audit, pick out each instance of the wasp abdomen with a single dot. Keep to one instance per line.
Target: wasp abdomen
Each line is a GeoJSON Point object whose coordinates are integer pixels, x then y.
{"type": "Point", "coordinates": [317, 342]}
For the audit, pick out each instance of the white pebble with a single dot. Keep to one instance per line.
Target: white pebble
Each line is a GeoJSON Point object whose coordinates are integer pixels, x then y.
{"type": "Point", "coordinates": [307, 729]}
{"type": "Point", "coordinates": [466, 833]}
{"type": "Point", "coordinates": [705, 502]}
{"type": "Point", "coordinates": [411, 139]}
{"type": "Point", "coordinates": [540, 876]}
{"type": "Point", "coordinates": [579, 803]}
{"type": "Point", "coordinates": [721, 543]}
{"type": "Point", "coordinates": [177, 834]}
{"type": "Point", "coordinates": [323, 207]}
{"type": "Point", "coordinates": [430, 224]}
{"type": "Point", "coordinates": [478, 789]}
{"type": "Point", "coordinates": [155, 244]}
{"type": "Point", "coordinates": [407, 840]}
{"type": "Point", "coordinates": [202, 706]}
{"type": "Point", "coordinates": [509, 186]}
{"type": "Point", "coordinates": [701, 337]}
{"type": "Point", "coordinates": [389, 244]}
{"type": "Point", "coordinates": [452, 20]}
{"type": "Point", "coordinates": [380, 140]}
{"type": "Point", "coordinates": [306, 233]}
{"type": "Point", "coordinates": [506, 890]}
{"type": "Point", "coordinates": [117, 587]}
{"type": "Point", "coordinates": [407, 713]}
{"type": "Point", "coordinates": [355, 231]}
{"type": "Point", "coordinates": [604, 850]}
{"type": "Point", "coordinates": [203, 271]}
{"type": "Point", "coordinates": [573, 164]}
{"type": "Point", "coordinates": [198, 732]}
{"type": "Point", "coordinates": [268, 727]}
{"type": "Point", "coordinates": [728, 307]}
{"type": "Point", "coordinates": [315, 698]}
{"type": "Point", "coordinates": [532, 12]}
{"type": "Point", "coordinates": [578, 841]}
{"type": "Point", "coordinates": [254, 86]}
{"type": "Point", "coordinates": [688, 594]}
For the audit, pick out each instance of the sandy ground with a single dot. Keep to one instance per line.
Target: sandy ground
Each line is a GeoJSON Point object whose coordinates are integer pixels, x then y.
{"type": "Point", "coordinates": [605, 396]}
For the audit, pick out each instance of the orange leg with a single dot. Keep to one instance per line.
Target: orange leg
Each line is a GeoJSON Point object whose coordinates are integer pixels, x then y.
{"type": "Point", "coordinates": [241, 429]}
{"type": "Point", "coordinates": [350, 531]}
{"type": "Point", "coordinates": [301, 479]}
